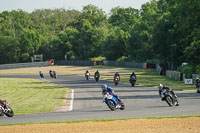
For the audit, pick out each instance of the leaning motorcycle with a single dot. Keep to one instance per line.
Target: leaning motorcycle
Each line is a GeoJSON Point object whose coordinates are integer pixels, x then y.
{"type": "Point", "coordinates": [5, 109]}
{"type": "Point", "coordinates": [171, 99]}
{"type": "Point", "coordinates": [132, 81]}
{"type": "Point", "coordinates": [87, 76]}
{"type": "Point", "coordinates": [116, 80]}
{"type": "Point", "coordinates": [111, 101]}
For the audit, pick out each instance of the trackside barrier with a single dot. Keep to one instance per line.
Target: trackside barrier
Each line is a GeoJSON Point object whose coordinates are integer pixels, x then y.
{"type": "Point", "coordinates": [75, 62]}
{"type": "Point", "coordinates": [23, 65]}
{"type": "Point", "coordinates": [174, 75]}
{"type": "Point", "coordinates": [124, 64]}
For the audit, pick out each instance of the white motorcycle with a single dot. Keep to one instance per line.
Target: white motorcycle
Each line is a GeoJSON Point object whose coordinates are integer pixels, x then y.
{"type": "Point", "coordinates": [5, 109]}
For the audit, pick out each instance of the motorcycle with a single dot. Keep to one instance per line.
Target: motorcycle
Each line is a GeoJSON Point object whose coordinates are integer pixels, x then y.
{"type": "Point", "coordinates": [87, 75]}
{"type": "Point", "coordinates": [96, 77]}
{"type": "Point", "coordinates": [51, 74]}
{"type": "Point", "coordinates": [111, 102]}
{"type": "Point", "coordinates": [5, 109]}
{"type": "Point", "coordinates": [116, 80]}
{"type": "Point", "coordinates": [132, 81]}
{"type": "Point", "coordinates": [170, 98]}
{"type": "Point", "coordinates": [54, 75]}
{"type": "Point", "coordinates": [41, 75]}
{"type": "Point", "coordinates": [198, 87]}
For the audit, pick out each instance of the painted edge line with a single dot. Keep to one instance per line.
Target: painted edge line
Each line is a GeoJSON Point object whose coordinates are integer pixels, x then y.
{"type": "Point", "coordinates": [72, 100]}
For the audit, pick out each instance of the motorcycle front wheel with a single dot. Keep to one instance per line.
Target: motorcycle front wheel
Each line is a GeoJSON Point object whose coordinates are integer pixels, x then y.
{"type": "Point", "coordinates": [111, 105]}
{"type": "Point", "coordinates": [10, 112]}
{"type": "Point", "coordinates": [169, 101]}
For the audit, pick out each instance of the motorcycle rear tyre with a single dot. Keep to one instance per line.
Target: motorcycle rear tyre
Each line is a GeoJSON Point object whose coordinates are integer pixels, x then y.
{"type": "Point", "coordinates": [122, 106]}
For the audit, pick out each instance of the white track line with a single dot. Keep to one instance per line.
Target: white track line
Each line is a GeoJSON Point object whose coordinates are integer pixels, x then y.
{"type": "Point", "coordinates": [72, 99]}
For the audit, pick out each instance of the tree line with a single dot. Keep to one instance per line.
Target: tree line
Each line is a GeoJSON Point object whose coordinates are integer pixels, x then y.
{"type": "Point", "coordinates": [162, 31]}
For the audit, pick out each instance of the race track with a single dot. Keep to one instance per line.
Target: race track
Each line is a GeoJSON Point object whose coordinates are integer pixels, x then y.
{"type": "Point", "coordinates": [87, 104]}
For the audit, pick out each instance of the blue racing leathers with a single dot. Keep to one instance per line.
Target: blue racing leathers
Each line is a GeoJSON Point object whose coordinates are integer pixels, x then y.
{"type": "Point", "coordinates": [111, 92]}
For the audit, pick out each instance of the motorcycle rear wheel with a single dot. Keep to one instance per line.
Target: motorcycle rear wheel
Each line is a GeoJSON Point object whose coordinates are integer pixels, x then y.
{"type": "Point", "coordinates": [116, 83]}
{"type": "Point", "coordinates": [132, 84]}
{"type": "Point", "coordinates": [122, 106]}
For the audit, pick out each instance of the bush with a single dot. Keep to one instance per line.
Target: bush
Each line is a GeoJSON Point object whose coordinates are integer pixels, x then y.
{"type": "Point", "coordinates": [125, 59]}
{"type": "Point", "coordinates": [100, 58]}
{"type": "Point", "coordinates": [188, 70]}
{"type": "Point", "coordinates": [197, 69]}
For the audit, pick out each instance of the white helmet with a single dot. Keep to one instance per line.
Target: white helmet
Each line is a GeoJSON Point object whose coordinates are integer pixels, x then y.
{"type": "Point", "coordinates": [104, 87]}
{"type": "Point", "coordinates": [160, 86]}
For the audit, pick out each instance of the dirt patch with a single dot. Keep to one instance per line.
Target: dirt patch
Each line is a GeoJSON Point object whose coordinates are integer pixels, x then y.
{"type": "Point", "coordinates": [174, 125]}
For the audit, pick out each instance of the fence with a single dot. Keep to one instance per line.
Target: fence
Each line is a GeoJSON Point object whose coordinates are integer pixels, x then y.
{"type": "Point", "coordinates": [23, 65]}
{"type": "Point", "coordinates": [75, 62]}
{"type": "Point", "coordinates": [124, 64]}
{"type": "Point", "coordinates": [174, 75]}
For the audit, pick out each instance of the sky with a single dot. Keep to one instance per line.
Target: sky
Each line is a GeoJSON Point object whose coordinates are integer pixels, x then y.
{"type": "Point", "coordinates": [31, 5]}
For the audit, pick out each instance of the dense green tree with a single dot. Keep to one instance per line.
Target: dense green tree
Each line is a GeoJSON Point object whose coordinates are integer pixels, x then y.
{"type": "Point", "coordinates": [90, 24]}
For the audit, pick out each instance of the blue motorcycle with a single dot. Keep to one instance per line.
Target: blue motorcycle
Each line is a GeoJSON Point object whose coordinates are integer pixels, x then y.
{"type": "Point", "coordinates": [113, 103]}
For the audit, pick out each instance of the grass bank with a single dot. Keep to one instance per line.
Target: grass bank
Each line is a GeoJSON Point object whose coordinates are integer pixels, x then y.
{"type": "Point", "coordinates": [28, 96]}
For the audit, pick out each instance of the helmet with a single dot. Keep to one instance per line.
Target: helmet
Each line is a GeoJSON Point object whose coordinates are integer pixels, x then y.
{"type": "Point", "coordinates": [160, 86]}
{"type": "Point", "coordinates": [197, 78]}
{"type": "Point", "coordinates": [104, 87]}
{"type": "Point", "coordinates": [133, 73]}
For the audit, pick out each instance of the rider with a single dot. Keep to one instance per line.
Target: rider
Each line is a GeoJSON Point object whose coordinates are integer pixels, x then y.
{"type": "Point", "coordinates": [41, 74]}
{"type": "Point", "coordinates": [87, 71]}
{"type": "Point", "coordinates": [132, 75]}
{"type": "Point", "coordinates": [106, 89]}
{"type": "Point", "coordinates": [117, 74]}
{"type": "Point", "coordinates": [161, 87]}
{"type": "Point", "coordinates": [54, 74]}
{"type": "Point", "coordinates": [97, 73]}
{"type": "Point", "coordinates": [1, 102]}
{"type": "Point", "coordinates": [197, 82]}
{"type": "Point", "coordinates": [51, 73]}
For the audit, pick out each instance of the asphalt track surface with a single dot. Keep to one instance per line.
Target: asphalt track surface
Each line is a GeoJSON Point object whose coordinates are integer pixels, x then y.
{"type": "Point", "coordinates": [87, 104]}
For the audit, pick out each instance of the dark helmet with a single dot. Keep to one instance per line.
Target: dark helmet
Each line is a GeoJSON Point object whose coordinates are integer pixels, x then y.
{"type": "Point", "coordinates": [133, 73]}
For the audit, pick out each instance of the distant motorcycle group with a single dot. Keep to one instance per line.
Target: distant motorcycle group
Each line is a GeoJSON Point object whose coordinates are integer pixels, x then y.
{"type": "Point", "coordinates": [96, 75]}
{"type": "Point", "coordinates": [116, 78]}
{"type": "Point", "coordinates": [52, 74]}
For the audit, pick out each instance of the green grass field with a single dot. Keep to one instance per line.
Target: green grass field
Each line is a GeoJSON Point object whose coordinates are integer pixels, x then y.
{"type": "Point", "coordinates": [28, 96]}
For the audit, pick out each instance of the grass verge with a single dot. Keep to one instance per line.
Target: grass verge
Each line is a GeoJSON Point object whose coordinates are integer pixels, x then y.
{"type": "Point", "coordinates": [29, 96]}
